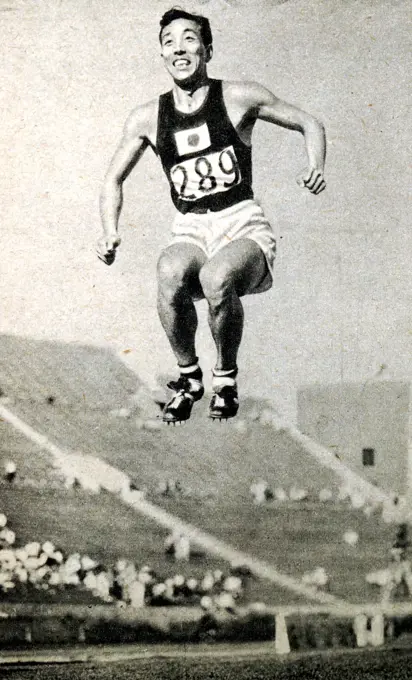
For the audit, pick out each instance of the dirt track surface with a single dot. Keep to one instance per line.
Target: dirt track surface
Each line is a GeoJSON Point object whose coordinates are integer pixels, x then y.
{"type": "Point", "coordinates": [370, 665]}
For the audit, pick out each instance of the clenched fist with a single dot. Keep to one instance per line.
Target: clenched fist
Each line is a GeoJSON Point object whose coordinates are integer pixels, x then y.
{"type": "Point", "coordinates": [106, 248]}
{"type": "Point", "coordinates": [312, 179]}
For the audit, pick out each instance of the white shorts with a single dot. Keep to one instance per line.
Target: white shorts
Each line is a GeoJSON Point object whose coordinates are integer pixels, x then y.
{"type": "Point", "coordinates": [212, 231]}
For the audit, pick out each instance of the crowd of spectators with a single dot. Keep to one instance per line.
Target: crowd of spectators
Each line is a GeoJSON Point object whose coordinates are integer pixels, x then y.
{"type": "Point", "coordinates": [43, 566]}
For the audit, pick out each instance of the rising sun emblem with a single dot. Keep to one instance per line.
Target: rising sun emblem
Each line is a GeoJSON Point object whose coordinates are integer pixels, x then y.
{"type": "Point", "coordinates": [193, 140]}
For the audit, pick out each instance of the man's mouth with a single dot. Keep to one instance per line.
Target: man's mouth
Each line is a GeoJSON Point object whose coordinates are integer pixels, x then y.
{"type": "Point", "coordinates": [181, 63]}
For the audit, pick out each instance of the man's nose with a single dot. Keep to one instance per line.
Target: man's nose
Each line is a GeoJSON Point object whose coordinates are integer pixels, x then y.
{"type": "Point", "coordinates": [179, 50]}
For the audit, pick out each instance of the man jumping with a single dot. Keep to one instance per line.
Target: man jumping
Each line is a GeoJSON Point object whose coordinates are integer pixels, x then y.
{"type": "Point", "coordinates": [222, 246]}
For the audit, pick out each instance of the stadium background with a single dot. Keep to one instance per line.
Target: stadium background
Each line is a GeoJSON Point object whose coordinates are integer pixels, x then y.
{"type": "Point", "coordinates": [339, 308]}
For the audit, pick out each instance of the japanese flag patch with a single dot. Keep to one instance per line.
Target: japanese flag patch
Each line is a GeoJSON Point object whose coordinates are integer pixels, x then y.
{"type": "Point", "coordinates": [192, 140]}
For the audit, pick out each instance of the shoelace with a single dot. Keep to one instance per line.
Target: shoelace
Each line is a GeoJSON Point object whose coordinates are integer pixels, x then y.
{"type": "Point", "coordinates": [180, 385]}
{"type": "Point", "coordinates": [179, 398]}
{"type": "Point", "coordinates": [227, 391]}
{"type": "Point", "coordinates": [218, 401]}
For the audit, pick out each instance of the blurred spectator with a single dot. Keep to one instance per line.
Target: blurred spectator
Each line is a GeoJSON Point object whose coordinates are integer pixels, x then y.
{"type": "Point", "coordinates": [207, 584]}
{"type": "Point", "coordinates": [318, 578]}
{"type": "Point", "coordinates": [178, 546]}
{"type": "Point", "coordinates": [394, 510]}
{"type": "Point", "coordinates": [400, 574]}
{"type": "Point", "coordinates": [357, 499]}
{"type": "Point", "coordinates": [182, 548]}
{"type": "Point", "coordinates": [351, 537]}
{"type": "Point", "coordinates": [226, 602]}
{"type": "Point", "coordinates": [7, 537]}
{"type": "Point", "coordinates": [10, 471]}
{"type": "Point", "coordinates": [261, 492]}
{"type": "Point", "coordinates": [297, 494]}
{"type": "Point", "coordinates": [170, 488]}
{"type": "Point", "coordinates": [137, 594]}
{"type": "Point", "coordinates": [233, 585]}
{"type": "Point", "coordinates": [280, 494]}
{"type": "Point", "coordinates": [325, 495]}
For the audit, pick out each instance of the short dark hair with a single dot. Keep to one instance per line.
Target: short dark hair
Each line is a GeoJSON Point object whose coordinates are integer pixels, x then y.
{"type": "Point", "coordinates": [177, 13]}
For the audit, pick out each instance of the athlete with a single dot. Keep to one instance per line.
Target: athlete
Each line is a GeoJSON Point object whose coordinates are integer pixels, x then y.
{"type": "Point", "coordinates": [222, 246]}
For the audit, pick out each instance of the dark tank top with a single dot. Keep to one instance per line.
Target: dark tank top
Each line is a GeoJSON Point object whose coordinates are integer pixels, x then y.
{"type": "Point", "coordinates": [206, 163]}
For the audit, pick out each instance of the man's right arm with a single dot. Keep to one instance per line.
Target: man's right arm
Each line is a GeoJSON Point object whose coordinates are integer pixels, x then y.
{"type": "Point", "coordinates": [136, 138]}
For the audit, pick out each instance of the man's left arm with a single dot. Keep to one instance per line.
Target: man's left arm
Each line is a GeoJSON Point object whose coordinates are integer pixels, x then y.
{"type": "Point", "coordinates": [268, 107]}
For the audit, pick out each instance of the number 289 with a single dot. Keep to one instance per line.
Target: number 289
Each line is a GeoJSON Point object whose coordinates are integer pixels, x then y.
{"type": "Point", "coordinates": [202, 174]}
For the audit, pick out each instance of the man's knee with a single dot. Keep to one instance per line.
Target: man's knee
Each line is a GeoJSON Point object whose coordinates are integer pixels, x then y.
{"type": "Point", "coordinates": [238, 269]}
{"type": "Point", "coordinates": [217, 281]}
{"type": "Point", "coordinates": [171, 272]}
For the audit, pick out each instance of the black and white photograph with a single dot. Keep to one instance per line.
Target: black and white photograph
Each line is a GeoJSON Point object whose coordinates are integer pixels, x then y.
{"type": "Point", "coordinates": [206, 340]}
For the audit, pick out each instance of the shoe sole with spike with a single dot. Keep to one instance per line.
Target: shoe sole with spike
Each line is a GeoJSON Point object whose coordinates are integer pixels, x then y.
{"type": "Point", "coordinates": [223, 407]}
{"type": "Point", "coordinates": [179, 408]}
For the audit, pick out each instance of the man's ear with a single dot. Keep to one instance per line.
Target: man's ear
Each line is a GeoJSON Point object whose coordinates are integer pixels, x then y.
{"type": "Point", "coordinates": [209, 53]}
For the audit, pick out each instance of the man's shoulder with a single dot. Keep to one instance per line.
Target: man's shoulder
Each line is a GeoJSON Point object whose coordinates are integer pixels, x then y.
{"type": "Point", "coordinates": [246, 92]}
{"type": "Point", "coordinates": [143, 117]}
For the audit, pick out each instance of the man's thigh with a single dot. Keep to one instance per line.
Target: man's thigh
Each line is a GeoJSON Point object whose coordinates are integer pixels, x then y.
{"type": "Point", "coordinates": [182, 262]}
{"type": "Point", "coordinates": [241, 263]}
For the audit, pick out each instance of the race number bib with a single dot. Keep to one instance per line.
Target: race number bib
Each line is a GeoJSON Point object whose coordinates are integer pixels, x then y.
{"type": "Point", "coordinates": [206, 175]}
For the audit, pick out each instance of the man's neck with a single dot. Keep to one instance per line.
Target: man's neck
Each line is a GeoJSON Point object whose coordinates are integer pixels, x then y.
{"type": "Point", "coordinates": [190, 97]}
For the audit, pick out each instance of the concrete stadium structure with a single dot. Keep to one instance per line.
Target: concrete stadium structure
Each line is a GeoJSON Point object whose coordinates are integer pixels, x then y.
{"type": "Point", "coordinates": [369, 426]}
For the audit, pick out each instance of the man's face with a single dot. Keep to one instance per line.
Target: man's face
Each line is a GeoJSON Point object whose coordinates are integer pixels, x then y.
{"type": "Point", "coordinates": [183, 51]}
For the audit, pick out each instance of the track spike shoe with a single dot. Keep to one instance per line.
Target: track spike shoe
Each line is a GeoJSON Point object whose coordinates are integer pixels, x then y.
{"type": "Point", "coordinates": [187, 390]}
{"type": "Point", "coordinates": [224, 403]}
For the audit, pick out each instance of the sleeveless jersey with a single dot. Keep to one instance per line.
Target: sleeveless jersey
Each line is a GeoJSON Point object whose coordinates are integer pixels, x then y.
{"type": "Point", "coordinates": [206, 163]}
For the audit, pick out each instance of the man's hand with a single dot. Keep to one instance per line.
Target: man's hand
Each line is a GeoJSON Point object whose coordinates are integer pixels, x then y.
{"type": "Point", "coordinates": [312, 179]}
{"type": "Point", "coordinates": [106, 248]}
